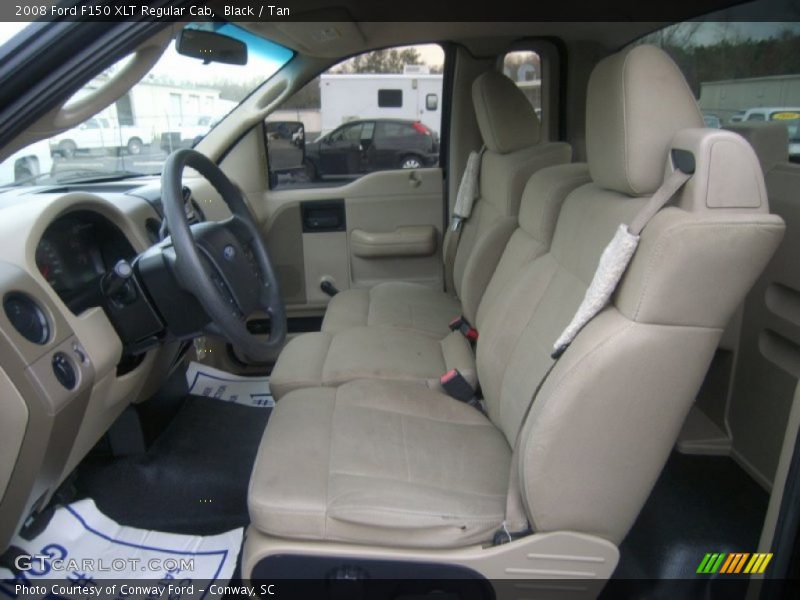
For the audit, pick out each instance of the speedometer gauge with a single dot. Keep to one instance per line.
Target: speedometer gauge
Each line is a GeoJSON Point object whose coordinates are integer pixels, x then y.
{"type": "Point", "coordinates": [50, 264]}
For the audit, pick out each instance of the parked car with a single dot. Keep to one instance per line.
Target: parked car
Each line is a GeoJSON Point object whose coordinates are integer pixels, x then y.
{"type": "Point", "coordinates": [712, 121]}
{"type": "Point", "coordinates": [737, 117]}
{"type": "Point", "coordinates": [771, 113]}
{"type": "Point", "coordinates": [100, 132]}
{"type": "Point", "coordinates": [186, 136]}
{"type": "Point", "coordinates": [26, 164]}
{"type": "Point", "coordinates": [372, 145]}
{"type": "Point", "coordinates": [794, 138]}
{"type": "Point", "coordinates": [789, 115]}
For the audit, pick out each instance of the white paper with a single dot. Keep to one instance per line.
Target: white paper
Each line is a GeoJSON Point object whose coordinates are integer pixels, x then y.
{"type": "Point", "coordinates": [220, 385]}
{"type": "Point", "coordinates": [83, 548]}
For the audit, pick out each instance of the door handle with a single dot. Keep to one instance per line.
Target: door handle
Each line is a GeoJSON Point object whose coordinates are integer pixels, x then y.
{"type": "Point", "coordinates": [414, 180]}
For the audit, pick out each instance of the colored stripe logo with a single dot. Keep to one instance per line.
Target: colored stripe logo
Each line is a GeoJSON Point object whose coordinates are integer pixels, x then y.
{"type": "Point", "coordinates": [734, 563]}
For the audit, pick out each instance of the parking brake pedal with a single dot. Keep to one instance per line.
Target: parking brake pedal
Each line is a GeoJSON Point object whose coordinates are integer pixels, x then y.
{"type": "Point", "coordinates": [36, 523]}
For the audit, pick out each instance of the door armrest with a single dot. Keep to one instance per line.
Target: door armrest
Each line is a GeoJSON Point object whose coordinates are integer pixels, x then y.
{"type": "Point", "coordinates": [417, 240]}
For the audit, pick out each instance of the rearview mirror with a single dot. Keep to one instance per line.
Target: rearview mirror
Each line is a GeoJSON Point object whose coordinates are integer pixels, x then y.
{"type": "Point", "coordinates": [211, 47]}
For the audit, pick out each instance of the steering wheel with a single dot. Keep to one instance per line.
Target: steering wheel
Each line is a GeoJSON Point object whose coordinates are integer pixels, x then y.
{"type": "Point", "coordinates": [225, 264]}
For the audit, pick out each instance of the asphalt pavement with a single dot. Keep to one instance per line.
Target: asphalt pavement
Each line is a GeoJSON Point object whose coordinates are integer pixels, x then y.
{"type": "Point", "coordinates": [149, 161]}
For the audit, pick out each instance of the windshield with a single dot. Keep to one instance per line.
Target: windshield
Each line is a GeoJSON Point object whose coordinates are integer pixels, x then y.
{"type": "Point", "coordinates": [173, 106]}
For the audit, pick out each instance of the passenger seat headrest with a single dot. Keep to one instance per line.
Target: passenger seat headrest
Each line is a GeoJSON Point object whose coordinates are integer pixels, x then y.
{"type": "Point", "coordinates": [769, 140]}
{"type": "Point", "coordinates": [727, 174]}
{"type": "Point", "coordinates": [637, 101]}
{"type": "Point", "coordinates": [505, 116]}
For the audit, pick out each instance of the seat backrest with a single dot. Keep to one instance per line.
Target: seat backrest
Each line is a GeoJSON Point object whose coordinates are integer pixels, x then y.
{"type": "Point", "coordinates": [608, 414]}
{"type": "Point", "coordinates": [768, 355]}
{"type": "Point", "coordinates": [514, 151]}
{"type": "Point", "coordinates": [769, 140]}
{"type": "Point", "coordinates": [533, 229]}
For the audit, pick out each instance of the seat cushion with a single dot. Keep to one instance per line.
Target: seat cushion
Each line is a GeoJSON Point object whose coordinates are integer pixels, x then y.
{"type": "Point", "coordinates": [325, 359]}
{"type": "Point", "coordinates": [393, 304]}
{"type": "Point", "coordinates": [379, 462]}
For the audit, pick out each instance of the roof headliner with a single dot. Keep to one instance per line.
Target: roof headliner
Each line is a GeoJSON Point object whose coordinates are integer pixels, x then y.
{"type": "Point", "coordinates": [359, 29]}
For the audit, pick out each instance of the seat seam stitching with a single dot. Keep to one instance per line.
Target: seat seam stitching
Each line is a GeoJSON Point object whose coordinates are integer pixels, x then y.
{"type": "Point", "coordinates": [487, 424]}
{"type": "Point", "coordinates": [555, 186]}
{"type": "Point", "coordinates": [330, 459]}
{"type": "Point", "coordinates": [425, 485]}
{"type": "Point", "coordinates": [405, 447]}
{"type": "Point", "coordinates": [519, 338]}
{"type": "Point", "coordinates": [382, 511]}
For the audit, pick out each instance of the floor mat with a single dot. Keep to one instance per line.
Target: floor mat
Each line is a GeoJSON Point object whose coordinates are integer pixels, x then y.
{"type": "Point", "coordinates": [700, 504]}
{"type": "Point", "coordinates": [194, 477]}
{"type": "Point", "coordinates": [212, 383]}
{"type": "Point", "coordinates": [85, 548]}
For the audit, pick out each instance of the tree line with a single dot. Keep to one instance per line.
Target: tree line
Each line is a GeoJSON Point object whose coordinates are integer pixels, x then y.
{"type": "Point", "coordinates": [733, 57]}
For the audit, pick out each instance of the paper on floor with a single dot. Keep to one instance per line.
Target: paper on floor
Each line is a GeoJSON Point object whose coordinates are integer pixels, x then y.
{"type": "Point", "coordinates": [82, 550]}
{"type": "Point", "coordinates": [213, 383]}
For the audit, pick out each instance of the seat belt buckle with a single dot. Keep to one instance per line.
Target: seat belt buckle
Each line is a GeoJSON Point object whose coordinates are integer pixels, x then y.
{"type": "Point", "coordinates": [455, 223]}
{"type": "Point", "coordinates": [467, 330]}
{"type": "Point", "coordinates": [455, 324]}
{"type": "Point", "coordinates": [455, 386]}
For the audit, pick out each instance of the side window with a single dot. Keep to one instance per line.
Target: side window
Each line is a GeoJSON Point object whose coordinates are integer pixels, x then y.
{"type": "Point", "coordinates": [747, 72]}
{"type": "Point", "coordinates": [350, 133]}
{"type": "Point", "coordinates": [368, 130]}
{"type": "Point", "coordinates": [391, 129]}
{"type": "Point", "coordinates": [393, 98]}
{"type": "Point", "coordinates": [524, 67]}
{"type": "Point", "coordinates": [390, 98]}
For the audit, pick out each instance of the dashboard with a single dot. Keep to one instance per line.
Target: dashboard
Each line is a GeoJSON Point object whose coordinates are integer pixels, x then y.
{"type": "Point", "coordinates": [66, 371]}
{"type": "Point", "coordinates": [74, 254]}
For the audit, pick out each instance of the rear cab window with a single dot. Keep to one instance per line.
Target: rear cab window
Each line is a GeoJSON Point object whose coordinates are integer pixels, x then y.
{"type": "Point", "coordinates": [376, 111]}
{"type": "Point", "coordinates": [740, 71]}
{"type": "Point", "coordinates": [524, 67]}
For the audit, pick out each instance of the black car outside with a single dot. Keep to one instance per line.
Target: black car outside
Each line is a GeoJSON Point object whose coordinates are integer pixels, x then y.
{"type": "Point", "coordinates": [363, 146]}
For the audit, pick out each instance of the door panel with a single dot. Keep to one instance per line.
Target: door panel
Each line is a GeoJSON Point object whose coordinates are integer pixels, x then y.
{"type": "Point", "coordinates": [404, 205]}
{"type": "Point", "coordinates": [410, 198]}
{"type": "Point", "coordinates": [359, 124]}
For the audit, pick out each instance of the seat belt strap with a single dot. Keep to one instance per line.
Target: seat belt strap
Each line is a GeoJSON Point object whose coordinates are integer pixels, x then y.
{"type": "Point", "coordinates": [615, 260]}
{"type": "Point", "coordinates": [516, 521]}
{"type": "Point", "coordinates": [468, 191]}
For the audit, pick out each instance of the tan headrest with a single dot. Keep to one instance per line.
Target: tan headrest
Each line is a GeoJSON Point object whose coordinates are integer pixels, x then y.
{"type": "Point", "coordinates": [727, 174]}
{"type": "Point", "coordinates": [505, 117]}
{"type": "Point", "coordinates": [637, 100]}
{"type": "Point", "coordinates": [769, 140]}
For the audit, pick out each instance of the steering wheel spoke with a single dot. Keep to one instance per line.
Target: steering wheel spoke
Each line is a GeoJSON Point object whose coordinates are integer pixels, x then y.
{"type": "Point", "coordinates": [225, 265]}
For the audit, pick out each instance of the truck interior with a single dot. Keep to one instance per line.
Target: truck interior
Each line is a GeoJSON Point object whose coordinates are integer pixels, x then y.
{"type": "Point", "coordinates": [464, 377]}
